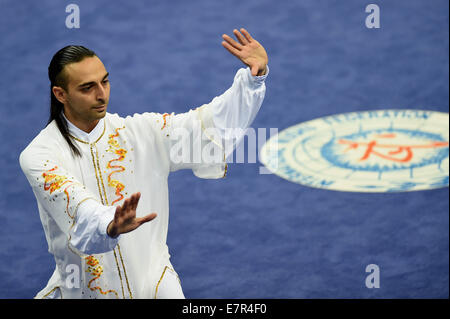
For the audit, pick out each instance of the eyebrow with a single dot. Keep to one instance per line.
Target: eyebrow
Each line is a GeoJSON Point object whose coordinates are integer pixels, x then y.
{"type": "Point", "coordinates": [92, 82]}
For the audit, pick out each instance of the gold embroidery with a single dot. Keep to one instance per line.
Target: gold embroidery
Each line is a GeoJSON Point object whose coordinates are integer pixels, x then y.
{"type": "Point", "coordinates": [116, 149]}
{"type": "Point", "coordinates": [48, 293]}
{"type": "Point", "coordinates": [160, 279]}
{"type": "Point", "coordinates": [96, 270]}
{"type": "Point", "coordinates": [226, 167]}
{"type": "Point", "coordinates": [124, 271]}
{"type": "Point", "coordinates": [120, 275]}
{"type": "Point", "coordinates": [157, 285]}
{"type": "Point", "coordinates": [101, 177]}
{"type": "Point", "coordinates": [53, 182]}
{"type": "Point", "coordinates": [104, 200]}
{"type": "Point", "coordinates": [96, 176]}
{"type": "Point", "coordinates": [85, 142]}
{"type": "Point", "coordinates": [56, 180]}
{"type": "Point", "coordinates": [164, 119]}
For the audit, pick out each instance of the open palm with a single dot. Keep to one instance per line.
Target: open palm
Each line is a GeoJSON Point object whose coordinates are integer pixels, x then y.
{"type": "Point", "coordinates": [125, 219]}
{"type": "Point", "coordinates": [248, 50]}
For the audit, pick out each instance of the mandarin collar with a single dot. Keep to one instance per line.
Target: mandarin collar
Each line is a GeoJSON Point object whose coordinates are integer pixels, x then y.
{"type": "Point", "coordinates": [91, 137]}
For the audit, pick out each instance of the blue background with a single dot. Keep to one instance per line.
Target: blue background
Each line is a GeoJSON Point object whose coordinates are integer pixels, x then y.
{"type": "Point", "coordinates": [248, 235]}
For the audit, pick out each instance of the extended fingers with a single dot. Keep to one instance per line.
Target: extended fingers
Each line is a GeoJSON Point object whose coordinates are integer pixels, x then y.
{"type": "Point", "coordinates": [135, 200]}
{"type": "Point", "coordinates": [129, 204]}
{"type": "Point", "coordinates": [240, 37]}
{"type": "Point", "coordinates": [247, 35]}
{"type": "Point", "coordinates": [232, 42]}
{"type": "Point", "coordinates": [234, 47]}
{"type": "Point", "coordinates": [121, 210]}
{"type": "Point", "coordinates": [231, 49]}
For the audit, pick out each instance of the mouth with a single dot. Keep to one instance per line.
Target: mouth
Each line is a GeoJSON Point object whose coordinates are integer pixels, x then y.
{"type": "Point", "coordinates": [100, 108]}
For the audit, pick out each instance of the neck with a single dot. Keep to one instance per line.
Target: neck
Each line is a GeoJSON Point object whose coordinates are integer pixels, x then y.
{"type": "Point", "coordinates": [86, 126]}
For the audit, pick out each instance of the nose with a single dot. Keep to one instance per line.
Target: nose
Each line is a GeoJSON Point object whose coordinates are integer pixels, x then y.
{"type": "Point", "coordinates": [101, 94]}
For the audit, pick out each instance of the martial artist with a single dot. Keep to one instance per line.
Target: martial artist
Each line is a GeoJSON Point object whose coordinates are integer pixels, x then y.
{"type": "Point", "coordinates": [100, 180]}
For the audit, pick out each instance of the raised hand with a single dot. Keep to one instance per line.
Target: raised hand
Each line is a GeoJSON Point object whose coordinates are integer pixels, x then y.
{"type": "Point", "coordinates": [125, 217]}
{"type": "Point", "coordinates": [248, 50]}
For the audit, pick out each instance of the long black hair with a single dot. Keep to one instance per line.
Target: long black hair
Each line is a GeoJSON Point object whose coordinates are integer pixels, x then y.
{"type": "Point", "coordinates": [67, 55]}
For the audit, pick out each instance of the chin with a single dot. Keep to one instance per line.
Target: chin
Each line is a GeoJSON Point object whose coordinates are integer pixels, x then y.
{"type": "Point", "coordinates": [100, 115]}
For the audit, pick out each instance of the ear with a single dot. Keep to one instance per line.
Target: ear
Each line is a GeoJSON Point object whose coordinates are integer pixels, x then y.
{"type": "Point", "coordinates": [59, 93]}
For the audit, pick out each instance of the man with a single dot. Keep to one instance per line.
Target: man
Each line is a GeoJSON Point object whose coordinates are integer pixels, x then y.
{"type": "Point", "coordinates": [90, 169]}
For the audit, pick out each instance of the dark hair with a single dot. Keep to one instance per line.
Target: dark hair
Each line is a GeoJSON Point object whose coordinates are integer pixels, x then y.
{"type": "Point", "coordinates": [67, 55]}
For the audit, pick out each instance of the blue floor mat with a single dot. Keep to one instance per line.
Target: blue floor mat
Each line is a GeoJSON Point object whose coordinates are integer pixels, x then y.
{"type": "Point", "coordinates": [248, 235]}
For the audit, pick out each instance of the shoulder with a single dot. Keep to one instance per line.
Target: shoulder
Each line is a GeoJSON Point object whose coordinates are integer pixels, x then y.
{"type": "Point", "coordinates": [141, 122]}
{"type": "Point", "coordinates": [48, 141]}
{"type": "Point", "coordinates": [113, 117]}
{"type": "Point", "coordinates": [146, 120]}
{"type": "Point", "coordinates": [46, 138]}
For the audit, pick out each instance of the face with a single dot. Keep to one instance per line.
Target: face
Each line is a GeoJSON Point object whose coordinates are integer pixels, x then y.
{"type": "Point", "coordinates": [87, 95]}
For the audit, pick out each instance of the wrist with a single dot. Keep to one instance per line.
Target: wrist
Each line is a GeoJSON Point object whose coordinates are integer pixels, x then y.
{"type": "Point", "coordinates": [111, 230]}
{"type": "Point", "coordinates": [262, 72]}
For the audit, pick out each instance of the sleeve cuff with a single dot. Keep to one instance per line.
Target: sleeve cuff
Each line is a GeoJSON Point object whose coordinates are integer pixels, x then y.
{"type": "Point", "coordinates": [89, 235]}
{"type": "Point", "coordinates": [258, 80]}
{"type": "Point", "coordinates": [105, 217]}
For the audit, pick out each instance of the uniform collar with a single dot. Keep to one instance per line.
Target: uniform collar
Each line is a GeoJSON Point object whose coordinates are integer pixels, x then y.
{"type": "Point", "coordinates": [81, 135]}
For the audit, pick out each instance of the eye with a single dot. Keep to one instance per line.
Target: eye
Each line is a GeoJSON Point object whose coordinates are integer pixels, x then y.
{"type": "Point", "coordinates": [105, 81]}
{"type": "Point", "coordinates": [86, 89]}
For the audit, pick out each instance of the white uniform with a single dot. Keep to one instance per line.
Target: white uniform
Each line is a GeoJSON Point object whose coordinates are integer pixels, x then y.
{"type": "Point", "coordinates": [77, 196]}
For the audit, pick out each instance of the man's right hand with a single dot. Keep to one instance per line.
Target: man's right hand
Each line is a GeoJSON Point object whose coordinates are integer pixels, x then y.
{"type": "Point", "coordinates": [125, 217]}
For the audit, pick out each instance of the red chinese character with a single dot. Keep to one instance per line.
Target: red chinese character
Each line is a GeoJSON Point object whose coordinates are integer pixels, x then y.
{"type": "Point", "coordinates": [390, 152]}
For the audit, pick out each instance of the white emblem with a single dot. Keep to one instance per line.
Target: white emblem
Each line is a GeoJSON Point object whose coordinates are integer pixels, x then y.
{"type": "Point", "coordinates": [374, 151]}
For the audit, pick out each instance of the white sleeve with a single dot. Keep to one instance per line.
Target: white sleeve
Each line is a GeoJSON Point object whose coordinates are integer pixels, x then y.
{"type": "Point", "coordinates": [89, 234]}
{"type": "Point", "coordinates": [234, 111]}
{"type": "Point", "coordinates": [67, 201]}
{"type": "Point", "coordinates": [194, 139]}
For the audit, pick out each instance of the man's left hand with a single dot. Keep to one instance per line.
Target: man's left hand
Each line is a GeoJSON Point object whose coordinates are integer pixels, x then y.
{"type": "Point", "coordinates": [248, 50]}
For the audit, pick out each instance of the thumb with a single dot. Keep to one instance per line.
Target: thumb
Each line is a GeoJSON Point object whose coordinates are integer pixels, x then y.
{"type": "Point", "coordinates": [254, 70]}
{"type": "Point", "coordinates": [147, 218]}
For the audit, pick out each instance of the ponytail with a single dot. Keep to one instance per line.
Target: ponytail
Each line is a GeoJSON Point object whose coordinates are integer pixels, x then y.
{"type": "Point", "coordinates": [67, 55]}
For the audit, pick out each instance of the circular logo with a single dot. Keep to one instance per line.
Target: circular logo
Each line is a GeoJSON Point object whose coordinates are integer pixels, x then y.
{"type": "Point", "coordinates": [374, 151]}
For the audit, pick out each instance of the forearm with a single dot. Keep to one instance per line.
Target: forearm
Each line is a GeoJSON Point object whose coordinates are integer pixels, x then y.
{"type": "Point", "coordinates": [234, 111]}
{"type": "Point", "coordinates": [89, 234]}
